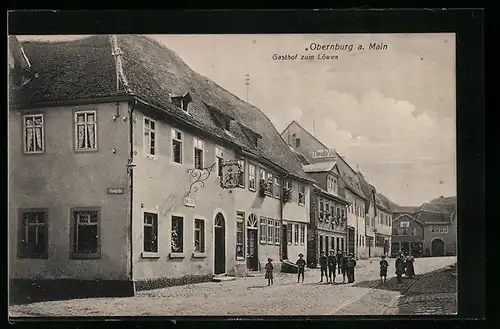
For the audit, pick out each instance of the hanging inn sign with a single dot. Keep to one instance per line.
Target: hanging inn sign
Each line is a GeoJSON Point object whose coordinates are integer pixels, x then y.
{"type": "Point", "coordinates": [230, 172]}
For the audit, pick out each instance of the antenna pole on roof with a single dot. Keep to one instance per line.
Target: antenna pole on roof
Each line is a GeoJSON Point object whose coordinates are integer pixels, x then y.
{"type": "Point", "coordinates": [247, 83]}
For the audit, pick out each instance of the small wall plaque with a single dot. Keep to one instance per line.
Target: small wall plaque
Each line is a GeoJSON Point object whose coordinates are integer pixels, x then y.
{"type": "Point", "coordinates": [115, 190]}
{"type": "Point", "coordinates": [189, 202]}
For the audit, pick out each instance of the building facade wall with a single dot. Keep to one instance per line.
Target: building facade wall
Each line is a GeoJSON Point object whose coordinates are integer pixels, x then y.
{"type": "Point", "coordinates": [298, 216]}
{"type": "Point", "coordinates": [160, 188]}
{"type": "Point", "coordinates": [60, 179]}
{"type": "Point", "coordinates": [408, 237]}
{"type": "Point", "coordinates": [443, 232]}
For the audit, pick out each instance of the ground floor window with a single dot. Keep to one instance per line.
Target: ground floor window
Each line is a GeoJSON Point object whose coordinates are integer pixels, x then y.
{"type": "Point", "coordinates": [240, 245]}
{"type": "Point", "coordinates": [150, 237]}
{"type": "Point", "coordinates": [296, 234]}
{"type": "Point", "coordinates": [263, 230]}
{"type": "Point", "coordinates": [276, 232]}
{"type": "Point", "coordinates": [177, 242]}
{"type": "Point", "coordinates": [33, 234]}
{"type": "Point", "coordinates": [86, 239]}
{"type": "Point", "coordinates": [199, 235]}
{"type": "Point", "coordinates": [302, 234]}
{"type": "Point", "coordinates": [270, 231]}
{"type": "Point", "coordinates": [320, 243]}
{"type": "Point", "coordinates": [289, 233]}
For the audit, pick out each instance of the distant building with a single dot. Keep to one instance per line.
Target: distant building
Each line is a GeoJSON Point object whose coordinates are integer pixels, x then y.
{"type": "Point", "coordinates": [378, 220]}
{"type": "Point", "coordinates": [428, 230]}
{"type": "Point", "coordinates": [304, 143]}
{"type": "Point", "coordinates": [328, 226]}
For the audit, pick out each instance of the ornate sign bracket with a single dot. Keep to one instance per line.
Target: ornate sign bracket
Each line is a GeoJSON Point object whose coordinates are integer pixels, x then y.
{"type": "Point", "coordinates": [200, 176]}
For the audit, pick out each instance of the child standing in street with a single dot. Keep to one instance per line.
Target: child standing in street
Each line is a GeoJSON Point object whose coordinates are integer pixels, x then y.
{"type": "Point", "coordinates": [383, 269]}
{"type": "Point", "coordinates": [301, 264]}
{"type": "Point", "coordinates": [269, 271]}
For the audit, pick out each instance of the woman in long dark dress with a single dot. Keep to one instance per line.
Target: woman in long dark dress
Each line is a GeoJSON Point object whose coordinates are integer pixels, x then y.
{"type": "Point", "coordinates": [410, 269]}
{"type": "Point", "coordinates": [400, 267]}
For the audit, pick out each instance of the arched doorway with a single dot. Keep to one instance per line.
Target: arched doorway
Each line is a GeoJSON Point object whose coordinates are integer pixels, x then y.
{"type": "Point", "coordinates": [219, 244]}
{"type": "Point", "coordinates": [437, 248]}
{"type": "Point", "coordinates": [252, 243]}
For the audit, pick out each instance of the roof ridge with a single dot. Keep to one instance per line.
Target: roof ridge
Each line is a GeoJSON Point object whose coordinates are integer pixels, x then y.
{"type": "Point", "coordinates": [120, 73]}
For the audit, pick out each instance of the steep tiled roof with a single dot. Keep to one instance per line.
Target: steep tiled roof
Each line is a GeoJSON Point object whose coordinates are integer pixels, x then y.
{"type": "Point", "coordinates": [325, 192]}
{"type": "Point", "coordinates": [427, 218]}
{"type": "Point", "coordinates": [301, 158]}
{"type": "Point", "coordinates": [432, 208]}
{"type": "Point", "coordinates": [367, 189]}
{"type": "Point", "coordinates": [348, 175]}
{"type": "Point", "coordinates": [85, 68]}
{"type": "Point", "coordinates": [404, 209]}
{"type": "Point", "coordinates": [319, 167]}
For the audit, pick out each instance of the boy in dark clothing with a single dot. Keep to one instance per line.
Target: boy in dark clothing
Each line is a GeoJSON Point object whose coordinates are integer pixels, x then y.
{"type": "Point", "coordinates": [343, 264]}
{"type": "Point", "coordinates": [332, 264]}
{"type": "Point", "coordinates": [322, 263]}
{"type": "Point", "coordinates": [301, 263]}
{"type": "Point", "coordinates": [339, 260]}
{"type": "Point", "coordinates": [383, 269]}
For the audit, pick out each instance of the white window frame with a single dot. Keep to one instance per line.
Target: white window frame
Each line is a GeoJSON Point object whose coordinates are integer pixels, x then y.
{"type": "Point", "coordinates": [250, 176]}
{"type": "Point", "coordinates": [180, 253]}
{"type": "Point", "coordinates": [276, 187]}
{"type": "Point", "coordinates": [202, 232]}
{"type": "Point", "coordinates": [147, 141]}
{"type": "Point", "coordinates": [240, 218]}
{"type": "Point", "coordinates": [270, 229]}
{"type": "Point", "coordinates": [289, 234]}
{"type": "Point", "coordinates": [277, 229]}
{"type": "Point", "coordinates": [302, 234]}
{"type": "Point", "coordinates": [219, 154]}
{"type": "Point", "coordinates": [263, 230]}
{"type": "Point", "coordinates": [173, 134]}
{"type": "Point", "coordinates": [197, 143]}
{"type": "Point", "coordinates": [296, 234]}
{"type": "Point", "coordinates": [155, 226]}
{"type": "Point", "coordinates": [85, 124]}
{"type": "Point", "coordinates": [241, 162]}
{"type": "Point", "coordinates": [34, 127]}
{"type": "Point", "coordinates": [303, 194]}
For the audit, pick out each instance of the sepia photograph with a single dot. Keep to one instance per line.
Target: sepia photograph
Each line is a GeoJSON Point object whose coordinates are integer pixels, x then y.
{"type": "Point", "coordinates": [232, 175]}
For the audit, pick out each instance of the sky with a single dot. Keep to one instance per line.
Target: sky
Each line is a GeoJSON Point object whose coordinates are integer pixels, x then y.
{"type": "Point", "coordinates": [390, 112]}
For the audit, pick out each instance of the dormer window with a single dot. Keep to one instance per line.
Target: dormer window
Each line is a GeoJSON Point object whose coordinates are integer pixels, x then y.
{"type": "Point", "coordinates": [182, 101]}
{"type": "Point", "coordinates": [227, 125]}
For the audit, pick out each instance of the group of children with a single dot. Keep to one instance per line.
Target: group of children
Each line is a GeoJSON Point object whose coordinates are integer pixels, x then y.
{"type": "Point", "coordinates": [342, 262]}
{"type": "Point", "coordinates": [345, 264]}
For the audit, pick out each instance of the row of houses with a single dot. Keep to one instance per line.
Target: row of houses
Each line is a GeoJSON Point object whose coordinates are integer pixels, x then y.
{"type": "Point", "coordinates": [127, 167]}
{"type": "Point", "coordinates": [429, 230]}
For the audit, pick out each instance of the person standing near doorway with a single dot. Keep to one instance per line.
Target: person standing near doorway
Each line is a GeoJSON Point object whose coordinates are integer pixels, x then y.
{"type": "Point", "coordinates": [332, 265]}
{"type": "Point", "coordinates": [400, 267]}
{"type": "Point", "coordinates": [339, 260]}
{"type": "Point", "coordinates": [343, 262]}
{"type": "Point", "coordinates": [410, 269]}
{"type": "Point", "coordinates": [301, 265]}
{"type": "Point", "coordinates": [351, 264]}
{"type": "Point", "coordinates": [322, 263]}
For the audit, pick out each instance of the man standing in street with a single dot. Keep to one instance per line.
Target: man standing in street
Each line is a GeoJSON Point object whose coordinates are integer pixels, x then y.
{"type": "Point", "coordinates": [339, 260]}
{"type": "Point", "coordinates": [332, 264]}
{"type": "Point", "coordinates": [322, 263]}
{"type": "Point", "coordinates": [343, 265]}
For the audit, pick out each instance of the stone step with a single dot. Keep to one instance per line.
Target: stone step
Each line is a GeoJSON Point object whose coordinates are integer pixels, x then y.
{"type": "Point", "coordinates": [223, 278]}
{"type": "Point", "coordinates": [254, 274]}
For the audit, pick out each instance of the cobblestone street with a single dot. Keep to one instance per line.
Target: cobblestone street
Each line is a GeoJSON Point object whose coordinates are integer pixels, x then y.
{"type": "Point", "coordinates": [252, 296]}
